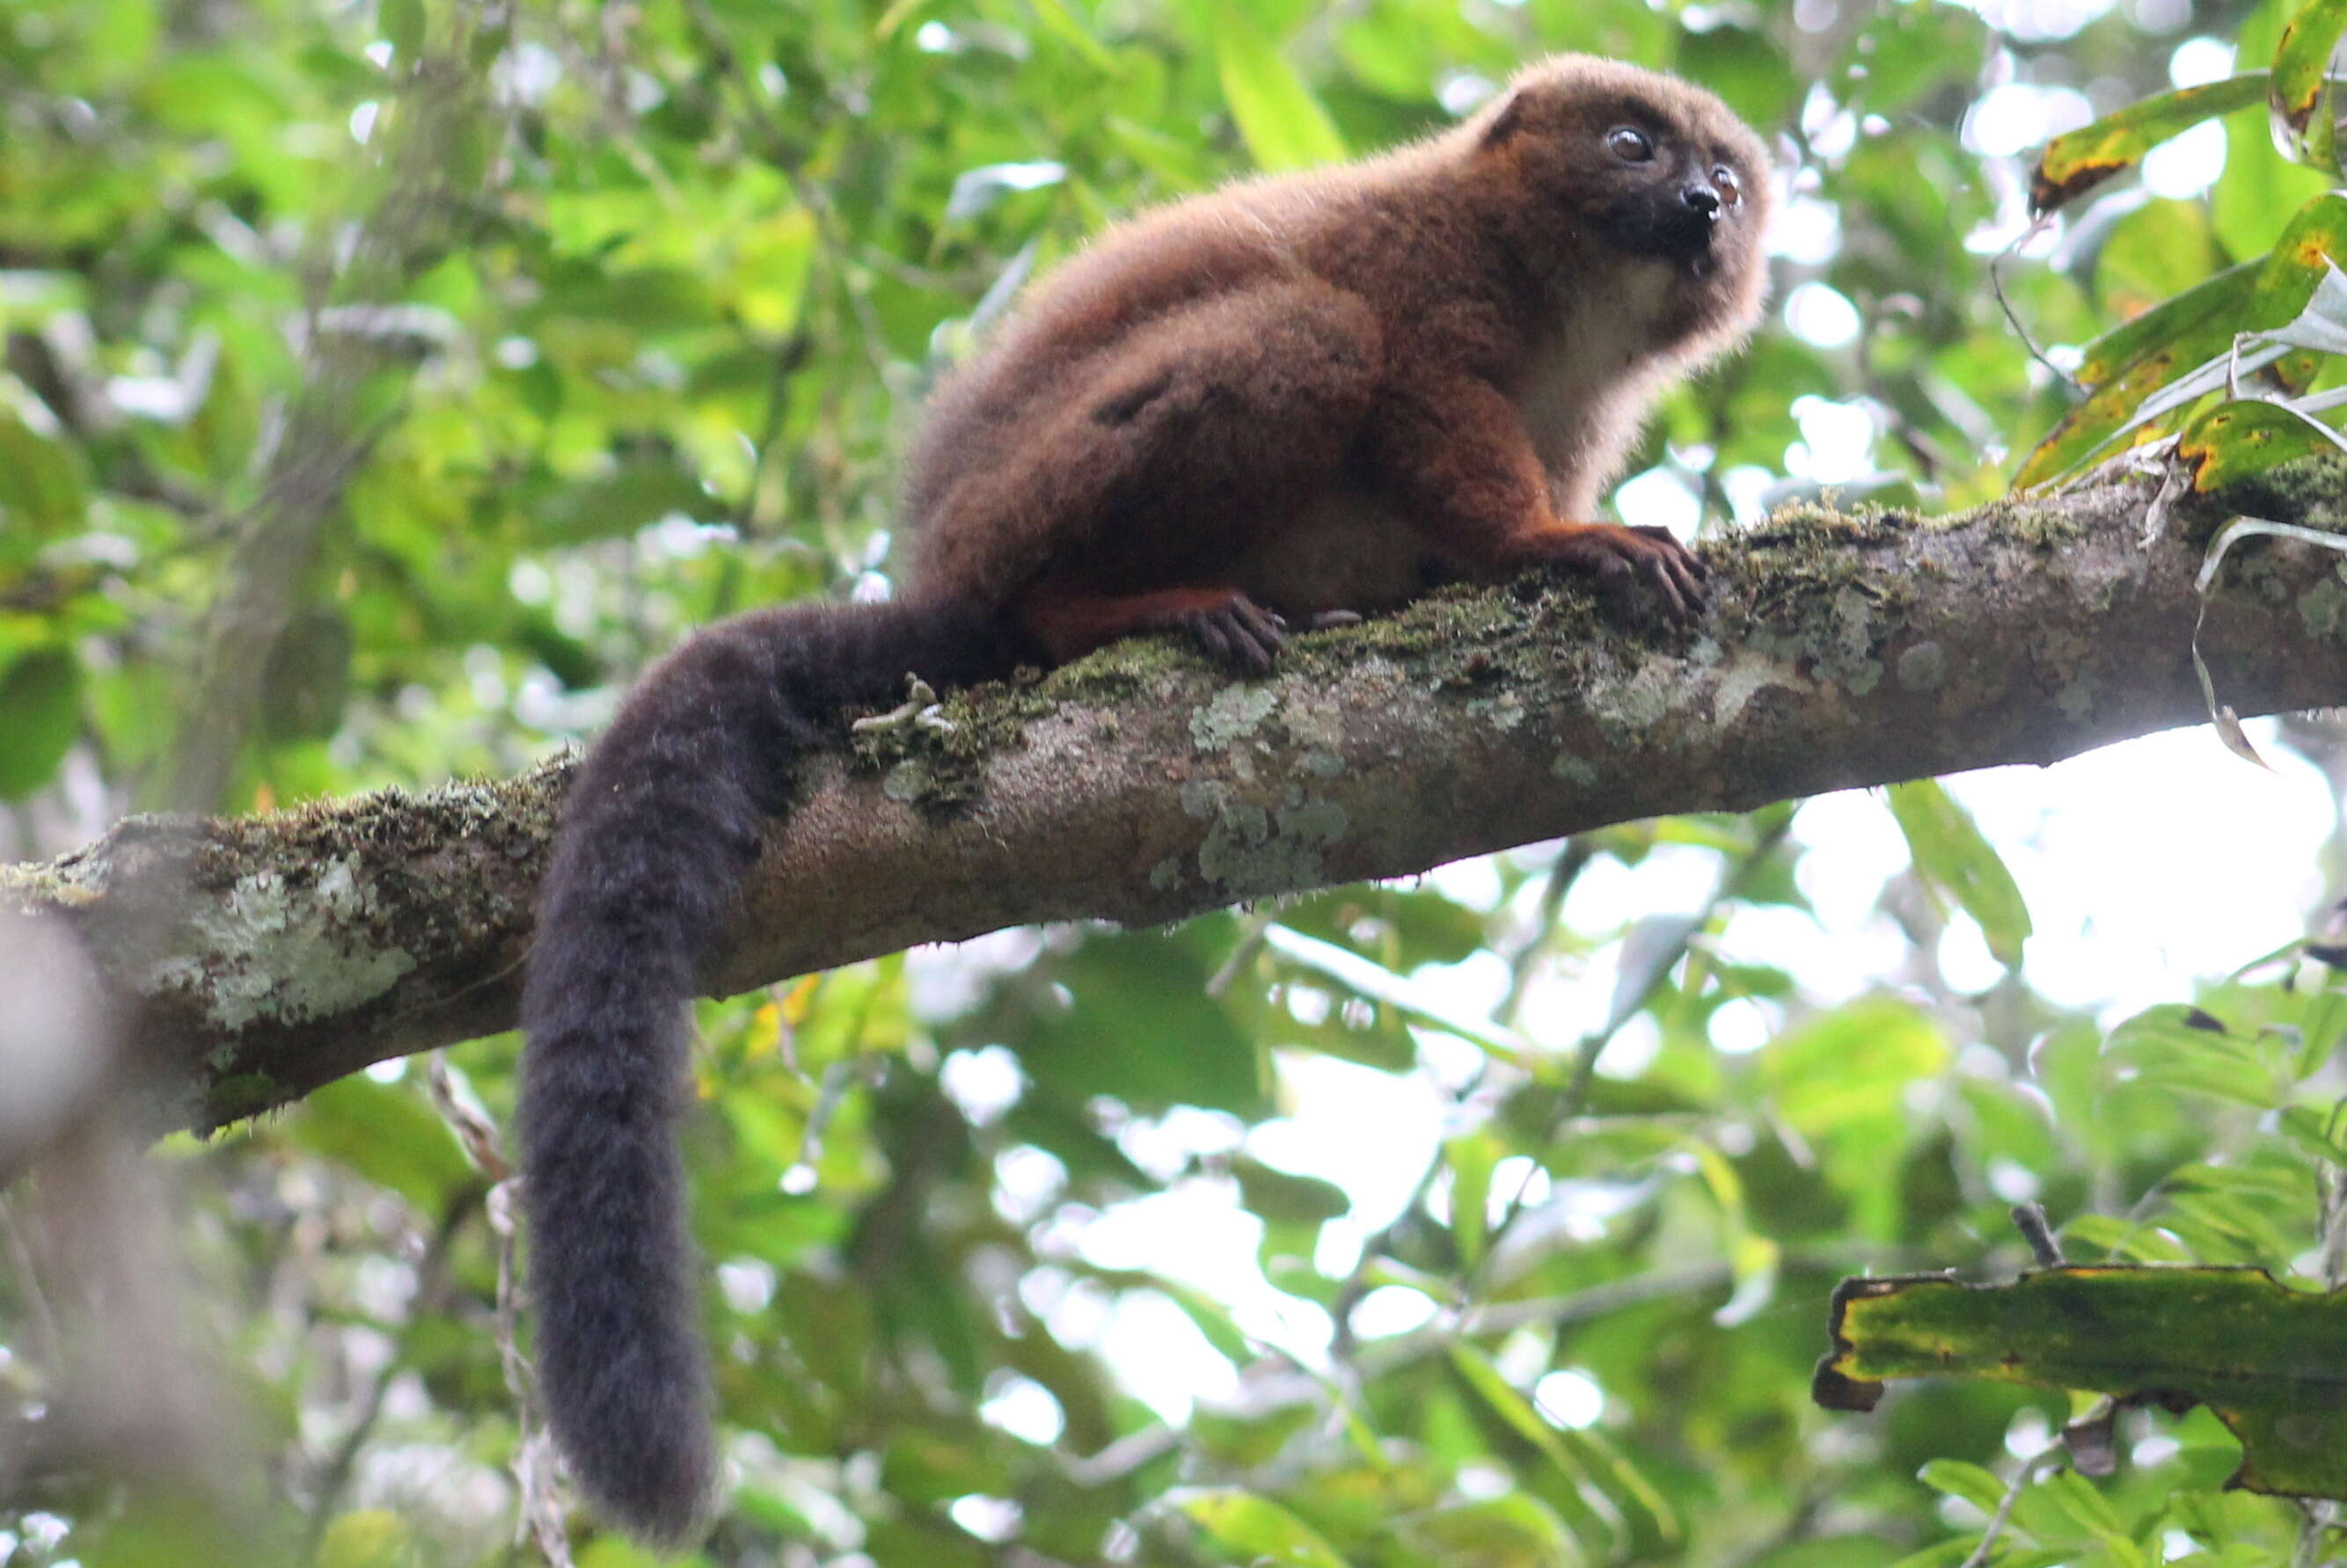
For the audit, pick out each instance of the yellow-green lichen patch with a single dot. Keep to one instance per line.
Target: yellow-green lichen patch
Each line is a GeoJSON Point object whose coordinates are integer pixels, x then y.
{"type": "Point", "coordinates": [1748, 674]}
{"type": "Point", "coordinates": [1922, 668]}
{"type": "Point", "coordinates": [1249, 849]}
{"type": "Point", "coordinates": [32, 887]}
{"type": "Point", "coordinates": [2045, 527]}
{"type": "Point", "coordinates": [1504, 712]}
{"type": "Point", "coordinates": [2076, 696]}
{"type": "Point", "coordinates": [2324, 608]}
{"type": "Point", "coordinates": [1237, 713]}
{"type": "Point", "coordinates": [1629, 707]}
{"type": "Point", "coordinates": [1857, 631]}
{"type": "Point", "coordinates": [283, 950]}
{"type": "Point", "coordinates": [1578, 771]}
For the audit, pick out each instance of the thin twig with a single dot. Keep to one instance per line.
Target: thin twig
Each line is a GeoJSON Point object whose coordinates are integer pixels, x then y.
{"type": "Point", "coordinates": [2012, 318]}
{"type": "Point", "coordinates": [1575, 858]}
{"type": "Point", "coordinates": [2024, 1474]}
{"type": "Point", "coordinates": [1243, 951]}
{"type": "Point", "coordinates": [2029, 1219]}
{"type": "Point", "coordinates": [536, 1467]}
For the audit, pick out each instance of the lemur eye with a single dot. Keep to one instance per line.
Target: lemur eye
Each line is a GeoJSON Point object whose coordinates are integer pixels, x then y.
{"type": "Point", "coordinates": [1730, 189]}
{"type": "Point", "coordinates": [1630, 144]}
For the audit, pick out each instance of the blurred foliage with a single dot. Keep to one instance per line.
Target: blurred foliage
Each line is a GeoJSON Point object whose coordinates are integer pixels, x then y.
{"type": "Point", "coordinates": [1486, 1220]}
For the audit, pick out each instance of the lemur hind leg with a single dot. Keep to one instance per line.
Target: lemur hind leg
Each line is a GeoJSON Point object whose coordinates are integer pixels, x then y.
{"type": "Point", "coordinates": [1229, 628]}
{"type": "Point", "coordinates": [1142, 486]}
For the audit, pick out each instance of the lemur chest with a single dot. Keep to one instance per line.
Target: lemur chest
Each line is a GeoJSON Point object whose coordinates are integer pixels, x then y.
{"type": "Point", "coordinates": [1597, 354]}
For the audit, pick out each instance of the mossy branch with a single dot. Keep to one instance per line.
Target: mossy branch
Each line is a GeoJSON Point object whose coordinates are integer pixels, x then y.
{"type": "Point", "coordinates": [268, 955]}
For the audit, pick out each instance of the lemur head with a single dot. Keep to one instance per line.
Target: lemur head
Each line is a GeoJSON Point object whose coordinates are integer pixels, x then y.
{"type": "Point", "coordinates": [1608, 161]}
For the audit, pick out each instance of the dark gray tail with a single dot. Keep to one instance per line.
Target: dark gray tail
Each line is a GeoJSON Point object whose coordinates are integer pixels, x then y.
{"type": "Point", "coordinates": [661, 822]}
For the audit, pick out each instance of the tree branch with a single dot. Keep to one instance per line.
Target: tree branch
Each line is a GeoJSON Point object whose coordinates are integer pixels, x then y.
{"type": "Point", "coordinates": [268, 955]}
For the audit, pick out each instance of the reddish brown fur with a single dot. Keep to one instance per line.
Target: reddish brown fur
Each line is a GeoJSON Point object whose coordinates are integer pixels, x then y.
{"type": "Point", "coordinates": [1326, 390]}
{"type": "Point", "coordinates": [1296, 396]}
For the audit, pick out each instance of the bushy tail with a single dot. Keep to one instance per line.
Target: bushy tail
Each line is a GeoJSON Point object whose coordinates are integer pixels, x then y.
{"type": "Point", "coordinates": [661, 822]}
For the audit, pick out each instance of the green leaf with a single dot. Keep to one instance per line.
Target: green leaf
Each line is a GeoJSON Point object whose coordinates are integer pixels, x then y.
{"type": "Point", "coordinates": [1516, 1411]}
{"type": "Point", "coordinates": [2160, 250]}
{"type": "Point", "coordinates": [368, 1538]}
{"type": "Point", "coordinates": [1255, 1529]}
{"type": "Point", "coordinates": [2300, 97]}
{"type": "Point", "coordinates": [2267, 1360]}
{"type": "Point", "coordinates": [1959, 1479]}
{"type": "Point", "coordinates": [402, 22]}
{"type": "Point", "coordinates": [2261, 189]}
{"type": "Point", "coordinates": [1515, 1530]}
{"type": "Point", "coordinates": [2184, 349]}
{"type": "Point", "coordinates": [1284, 125]}
{"type": "Point", "coordinates": [2079, 160]}
{"type": "Point", "coordinates": [2200, 335]}
{"type": "Point", "coordinates": [2131, 1240]}
{"type": "Point", "coordinates": [40, 712]}
{"type": "Point", "coordinates": [1063, 25]}
{"type": "Point", "coordinates": [1283, 1196]}
{"type": "Point", "coordinates": [2223, 298]}
{"type": "Point", "coordinates": [2312, 243]}
{"type": "Point", "coordinates": [1510, 1405]}
{"type": "Point", "coordinates": [1853, 1064]}
{"type": "Point", "coordinates": [2246, 437]}
{"type": "Point", "coordinates": [1373, 982]}
{"type": "Point", "coordinates": [2170, 1046]}
{"type": "Point", "coordinates": [386, 1133]}
{"type": "Point", "coordinates": [1174, 1044]}
{"type": "Point", "coordinates": [1953, 856]}
{"type": "Point", "coordinates": [616, 505]}
{"type": "Point", "coordinates": [1212, 1319]}
{"type": "Point", "coordinates": [42, 487]}
{"type": "Point", "coordinates": [1472, 1159]}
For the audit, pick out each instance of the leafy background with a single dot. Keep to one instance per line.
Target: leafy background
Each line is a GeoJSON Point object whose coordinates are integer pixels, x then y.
{"type": "Point", "coordinates": [385, 384]}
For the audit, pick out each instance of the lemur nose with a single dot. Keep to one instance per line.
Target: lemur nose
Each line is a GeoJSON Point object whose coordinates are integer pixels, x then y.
{"type": "Point", "coordinates": [1702, 198]}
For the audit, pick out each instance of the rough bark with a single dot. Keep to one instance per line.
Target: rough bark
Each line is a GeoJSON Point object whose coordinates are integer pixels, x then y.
{"type": "Point", "coordinates": [268, 955]}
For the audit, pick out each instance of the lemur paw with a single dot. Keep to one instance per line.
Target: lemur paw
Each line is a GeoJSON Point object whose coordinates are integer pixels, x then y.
{"type": "Point", "coordinates": [1237, 634]}
{"type": "Point", "coordinates": [1625, 559]}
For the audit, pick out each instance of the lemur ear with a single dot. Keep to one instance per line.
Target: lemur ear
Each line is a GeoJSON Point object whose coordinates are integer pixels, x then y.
{"type": "Point", "coordinates": [1506, 120]}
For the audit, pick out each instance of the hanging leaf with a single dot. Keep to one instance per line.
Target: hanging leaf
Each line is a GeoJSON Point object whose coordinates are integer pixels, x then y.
{"type": "Point", "coordinates": [1952, 855]}
{"type": "Point", "coordinates": [2193, 345]}
{"type": "Point", "coordinates": [2265, 1360]}
{"type": "Point", "coordinates": [2299, 97]}
{"type": "Point", "coordinates": [1284, 124]}
{"type": "Point", "coordinates": [2079, 160]}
